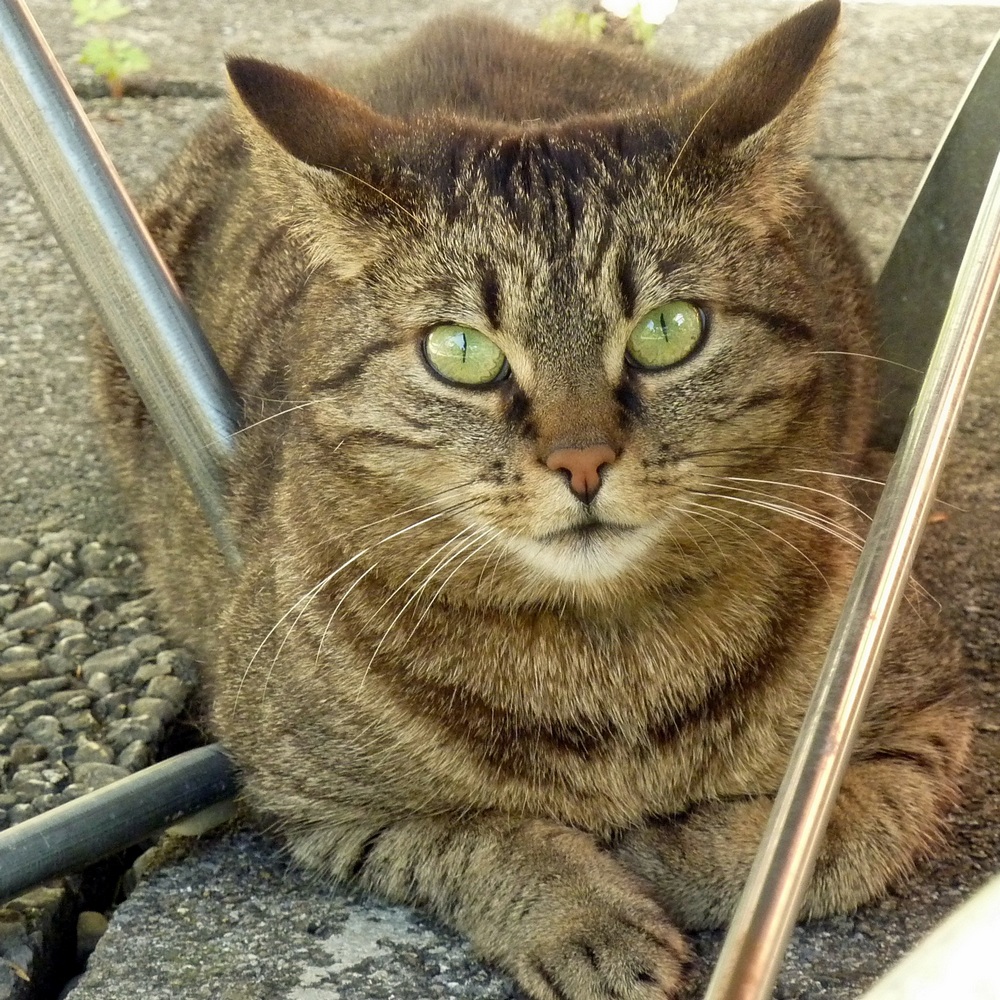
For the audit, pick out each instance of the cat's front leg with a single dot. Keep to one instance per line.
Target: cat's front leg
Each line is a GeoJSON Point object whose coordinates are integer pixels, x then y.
{"type": "Point", "coordinates": [888, 813]}
{"type": "Point", "coordinates": [538, 899]}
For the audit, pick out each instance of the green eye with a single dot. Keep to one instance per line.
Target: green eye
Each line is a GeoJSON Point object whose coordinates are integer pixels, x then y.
{"type": "Point", "coordinates": [666, 335]}
{"type": "Point", "coordinates": [465, 356]}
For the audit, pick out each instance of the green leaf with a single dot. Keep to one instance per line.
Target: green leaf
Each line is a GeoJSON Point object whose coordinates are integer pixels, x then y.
{"type": "Point", "coordinates": [113, 59]}
{"type": "Point", "coordinates": [642, 30]}
{"type": "Point", "coordinates": [567, 21]}
{"type": "Point", "coordinates": [97, 11]}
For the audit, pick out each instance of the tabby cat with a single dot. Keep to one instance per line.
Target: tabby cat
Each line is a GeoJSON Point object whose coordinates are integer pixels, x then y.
{"type": "Point", "coordinates": [553, 365]}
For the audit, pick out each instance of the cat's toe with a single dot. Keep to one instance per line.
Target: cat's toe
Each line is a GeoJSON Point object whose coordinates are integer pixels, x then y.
{"type": "Point", "coordinates": [609, 955]}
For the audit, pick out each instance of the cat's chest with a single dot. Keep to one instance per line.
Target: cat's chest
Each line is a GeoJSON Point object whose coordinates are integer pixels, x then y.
{"type": "Point", "coordinates": [597, 735]}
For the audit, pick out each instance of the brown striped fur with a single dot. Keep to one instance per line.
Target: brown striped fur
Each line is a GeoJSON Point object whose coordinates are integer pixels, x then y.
{"type": "Point", "coordinates": [434, 680]}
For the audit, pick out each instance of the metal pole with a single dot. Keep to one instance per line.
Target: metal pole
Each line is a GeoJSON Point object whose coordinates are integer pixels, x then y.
{"type": "Point", "coordinates": [753, 950]}
{"type": "Point", "coordinates": [158, 339]}
{"type": "Point", "coordinates": [100, 823]}
{"type": "Point", "coordinates": [912, 290]}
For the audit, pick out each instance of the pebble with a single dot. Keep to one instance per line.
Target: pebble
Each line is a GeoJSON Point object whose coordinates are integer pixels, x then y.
{"type": "Point", "coordinates": [96, 775]}
{"type": "Point", "coordinates": [13, 550]}
{"type": "Point", "coordinates": [110, 661]}
{"type": "Point", "coordinates": [20, 671]}
{"type": "Point", "coordinates": [32, 617]}
{"type": "Point", "coordinates": [44, 729]}
{"type": "Point", "coordinates": [87, 680]}
{"type": "Point", "coordinates": [22, 651]}
{"type": "Point", "coordinates": [90, 928]}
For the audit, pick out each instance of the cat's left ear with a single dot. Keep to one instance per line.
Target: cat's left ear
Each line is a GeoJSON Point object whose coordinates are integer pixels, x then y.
{"type": "Point", "coordinates": [328, 158]}
{"type": "Point", "coordinates": [759, 105]}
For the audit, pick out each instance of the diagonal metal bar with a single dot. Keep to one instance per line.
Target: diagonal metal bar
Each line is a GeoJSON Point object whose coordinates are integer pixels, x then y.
{"type": "Point", "coordinates": [913, 289]}
{"type": "Point", "coordinates": [100, 823]}
{"type": "Point", "coordinates": [154, 332]}
{"type": "Point", "coordinates": [756, 943]}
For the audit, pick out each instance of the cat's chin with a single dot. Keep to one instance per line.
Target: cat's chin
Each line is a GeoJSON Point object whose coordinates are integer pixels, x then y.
{"type": "Point", "coordinates": [585, 556]}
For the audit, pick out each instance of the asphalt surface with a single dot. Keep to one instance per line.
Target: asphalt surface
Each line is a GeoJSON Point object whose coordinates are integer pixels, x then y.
{"type": "Point", "coordinates": [231, 919]}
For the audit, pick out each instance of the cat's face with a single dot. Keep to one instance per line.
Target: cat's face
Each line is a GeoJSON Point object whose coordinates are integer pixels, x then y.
{"type": "Point", "coordinates": [534, 356]}
{"type": "Point", "coordinates": [553, 314]}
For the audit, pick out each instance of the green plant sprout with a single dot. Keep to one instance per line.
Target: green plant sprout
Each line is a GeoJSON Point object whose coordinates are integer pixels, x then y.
{"type": "Point", "coordinates": [591, 26]}
{"type": "Point", "coordinates": [110, 58]}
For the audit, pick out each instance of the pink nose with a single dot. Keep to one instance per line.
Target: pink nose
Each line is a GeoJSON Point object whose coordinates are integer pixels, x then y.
{"type": "Point", "coordinates": [583, 466]}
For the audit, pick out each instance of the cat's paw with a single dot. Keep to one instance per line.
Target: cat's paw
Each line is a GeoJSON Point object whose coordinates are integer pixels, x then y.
{"type": "Point", "coordinates": [623, 951]}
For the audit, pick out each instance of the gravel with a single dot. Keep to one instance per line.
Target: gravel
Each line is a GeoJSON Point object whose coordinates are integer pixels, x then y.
{"type": "Point", "coordinates": [87, 686]}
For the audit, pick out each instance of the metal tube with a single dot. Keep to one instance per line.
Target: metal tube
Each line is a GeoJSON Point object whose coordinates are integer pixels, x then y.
{"type": "Point", "coordinates": [158, 339]}
{"type": "Point", "coordinates": [753, 950]}
{"type": "Point", "coordinates": [105, 821]}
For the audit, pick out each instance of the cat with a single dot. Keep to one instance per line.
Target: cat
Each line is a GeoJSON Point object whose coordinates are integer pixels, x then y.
{"type": "Point", "coordinates": [554, 366]}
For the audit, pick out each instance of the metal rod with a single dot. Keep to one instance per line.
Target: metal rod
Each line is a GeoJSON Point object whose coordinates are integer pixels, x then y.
{"type": "Point", "coordinates": [105, 821]}
{"type": "Point", "coordinates": [753, 950]}
{"type": "Point", "coordinates": [158, 339]}
{"type": "Point", "coordinates": [912, 290]}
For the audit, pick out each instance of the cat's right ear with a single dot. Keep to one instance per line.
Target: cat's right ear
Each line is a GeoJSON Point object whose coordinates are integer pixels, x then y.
{"type": "Point", "coordinates": [326, 156]}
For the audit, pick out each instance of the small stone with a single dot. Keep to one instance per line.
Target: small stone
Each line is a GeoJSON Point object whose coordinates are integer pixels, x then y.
{"type": "Point", "coordinates": [36, 616]}
{"type": "Point", "coordinates": [103, 621]}
{"type": "Point", "coordinates": [51, 579]}
{"type": "Point", "coordinates": [110, 661]}
{"type": "Point", "coordinates": [19, 813]}
{"type": "Point", "coordinates": [20, 570]}
{"type": "Point", "coordinates": [27, 786]}
{"type": "Point", "coordinates": [169, 687]}
{"type": "Point", "coordinates": [94, 558]}
{"type": "Point", "coordinates": [47, 800]}
{"type": "Point", "coordinates": [89, 751]}
{"type": "Point", "coordinates": [25, 752]}
{"type": "Point", "coordinates": [54, 543]}
{"type": "Point", "coordinates": [56, 773]}
{"type": "Point", "coordinates": [90, 928]}
{"type": "Point", "coordinates": [96, 775]}
{"type": "Point", "coordinates": [29, 710]}
{"type": "Point", "coordinates": [70, 626]}
{"type": "Point", "coordinates": [99, 586]}
{"type": "Point", "coordinates": [135, 756]}
{"type": "Point", "coordinates": [181, 664]}
{"type": "Point", "coordinates": [77, 604]}
{"type": "Point", "coordinates": [133, 629]}
{"type": "Point", "coordinates": [44, 729]}
{"type": "Point", "coordinates": [148, 645]}
{"type": "Point", "coordinates": [100, 682]}
{"type": "Point", "coordinates": [14, 696]}
{"type": "Point", "coordinates": [11, 637]}
{"type": "Point", "coordinates": [124, 731]}
{"type": "Point", "coordinates": [13, 550]}
{"type": "Point", "coordinates": [21, 671]}
{"type": "Point", "coordinates": [133, 609]}
{"type": "Point", "coordinates": [78, 645]}
{"type": "Point", "coordinates": [156, 708]}
{"type": "Point", "coordinates": [76, 721]}
{"type": "Point", "coordinates": [74, 699]}
{"type": "Point", "coordinates": [8, 601]}
{"type": "Point", "coordinates": [9, 730]}
{"type": "Point", "coordinates": [51, 686]}
{"type": "Point", "coordinates": [111, 707]}
{"type": "Point", "coordinates": [41, 639]}
{"type": "Point", "coordinates": [56, 664]}
{"type": "Point", "coordinates": [150, 670]}
{"type": "Point", "coordinates": [22, 651]}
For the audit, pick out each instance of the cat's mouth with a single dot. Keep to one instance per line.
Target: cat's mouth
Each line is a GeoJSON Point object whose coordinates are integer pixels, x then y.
{"type": "Point", "coordinates": [589, 531]}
